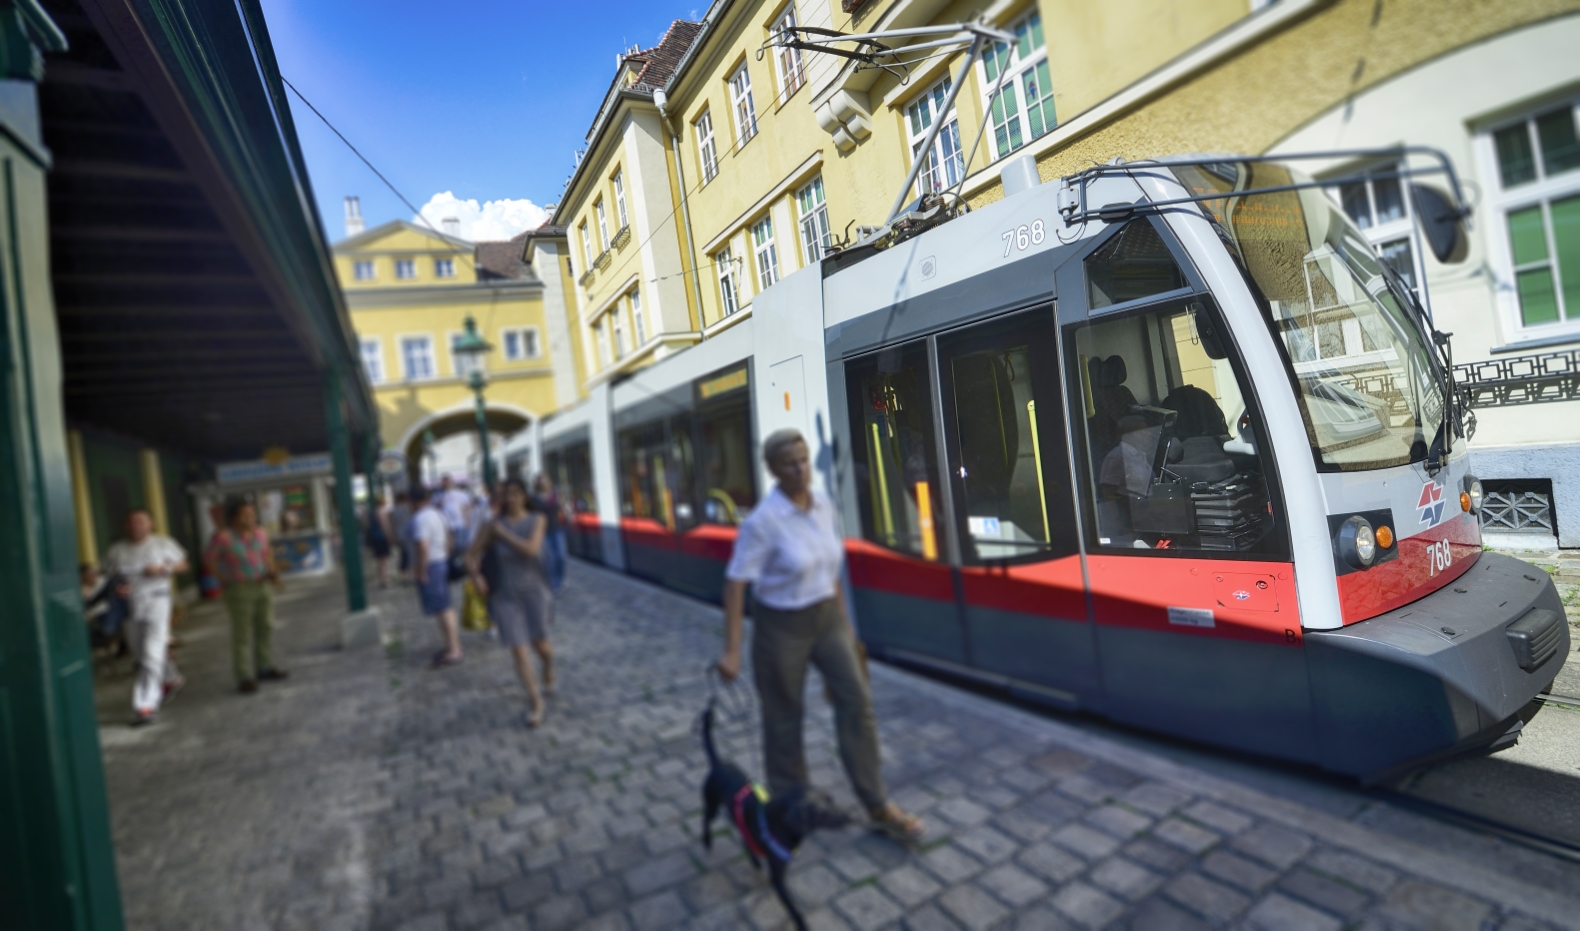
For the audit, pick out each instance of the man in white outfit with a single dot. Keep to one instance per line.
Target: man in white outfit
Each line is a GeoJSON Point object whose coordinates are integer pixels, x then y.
{"type": "Point", "coordinates": [145, 562]}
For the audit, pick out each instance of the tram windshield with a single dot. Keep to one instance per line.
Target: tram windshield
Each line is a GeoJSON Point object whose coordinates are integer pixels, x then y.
{"type": "Point", "coordinates": [1369, 385]}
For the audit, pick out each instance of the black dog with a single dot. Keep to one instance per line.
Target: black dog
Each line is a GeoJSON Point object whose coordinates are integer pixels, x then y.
{"type": "Point", "coordinates": [769, 828]}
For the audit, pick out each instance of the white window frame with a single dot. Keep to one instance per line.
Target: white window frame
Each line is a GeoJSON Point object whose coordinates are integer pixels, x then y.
{"type": "Point", "coordinates": [444, 268]}
{"type": "Point", "coordinates": [429, 361]}
{"type": "Point", "coordinates": [788, 64]}
{"type": "Point", "coordinates": [812, 218]}
{"type": "Point", "coordinates": [1500, 202]}
{"type": "Point", "coordinates": [1015, 67]}
{"type": "Point", "coordinates": [603, 223]}
{"type": "Point", "coordinates": [767, 253]}
{"type": "Point", "coordinates": [528, 344]}
{"type": "Point", "coordinates": [619, 199]}
{"type": "Point", "coordinates": [601, 338]}
{"type": "Point", "coordinates": [587, 252]}
{"type": "Point", "coordinates": [408, 266]}
{"type": "Point", "coordinates": [707, 148]}
{"type": "Point", "coordinates": [372, 349]}
{"type": "Point", "coordinates": [638, 325]}
{"type": "Point", "coordinates": [729, 287]}
{"type": "Point", "coordinates": [617, 327]}
{"type": "Point", "coordinates": [1386, 233]}
{"type": "Point", "coordinates": [944, 165]}
{"type": "Point", "coordinates": [361, 266]}
{"type": "Point", "coordinates": [742, 108]}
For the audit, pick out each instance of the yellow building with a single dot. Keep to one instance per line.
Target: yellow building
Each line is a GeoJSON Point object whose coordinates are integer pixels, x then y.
{"type": "Point", "coordinates": [720, 162]}
{"type": "Point", "coordinates": [410, 290]}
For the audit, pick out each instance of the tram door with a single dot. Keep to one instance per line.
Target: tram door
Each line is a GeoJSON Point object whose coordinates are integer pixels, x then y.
{"type": "Point", "coordinates": [901, 579]}
{"type": "Point", "coordinates": [1022, 601]}
{"type": "Point", "coordinates": [975, 564]}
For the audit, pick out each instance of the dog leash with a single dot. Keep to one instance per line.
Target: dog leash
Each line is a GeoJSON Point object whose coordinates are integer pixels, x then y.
{"type": "Point", "coordinates": [735, 706]}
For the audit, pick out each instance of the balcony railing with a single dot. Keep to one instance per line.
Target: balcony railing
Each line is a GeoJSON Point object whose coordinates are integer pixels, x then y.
{"type": "Point", "coordinates": [1533, 379]}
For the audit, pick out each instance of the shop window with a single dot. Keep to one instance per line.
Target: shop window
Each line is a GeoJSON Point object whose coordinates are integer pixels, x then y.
{"type": "Point", "coordinates": [894, 450]}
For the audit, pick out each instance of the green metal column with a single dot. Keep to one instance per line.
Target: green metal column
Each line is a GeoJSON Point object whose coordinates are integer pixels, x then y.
{"type": "Point", "coordinates": [345, 505]}
{"type": "Point", "coordinates": [57, 859]}
{"type": "Point", "coordinates": [482, 432]}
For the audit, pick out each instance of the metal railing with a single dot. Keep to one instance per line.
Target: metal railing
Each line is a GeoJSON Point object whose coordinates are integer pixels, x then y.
{"type": "Point", "coordinates": [1532, 379]}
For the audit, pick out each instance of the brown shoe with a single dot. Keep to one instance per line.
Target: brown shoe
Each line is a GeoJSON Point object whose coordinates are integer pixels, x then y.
{"type": "Point", "coordinates": [272, 674]}
{"type": "Point", "coordinates": [248, 686]}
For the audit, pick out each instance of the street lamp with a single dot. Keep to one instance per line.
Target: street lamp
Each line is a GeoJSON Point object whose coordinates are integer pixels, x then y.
{"type": "Point", "coordinates": [470, 349]}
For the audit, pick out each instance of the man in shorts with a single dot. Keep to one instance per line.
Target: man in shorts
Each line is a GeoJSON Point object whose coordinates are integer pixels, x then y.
{"type": "Point", "coordinates": [146, 562]}
{"type": "Point", "coordinates": [431, 539]}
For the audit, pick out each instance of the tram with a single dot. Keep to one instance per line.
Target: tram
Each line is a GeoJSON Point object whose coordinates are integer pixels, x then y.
{"type": "Point", "coordinates": [1163, 441]}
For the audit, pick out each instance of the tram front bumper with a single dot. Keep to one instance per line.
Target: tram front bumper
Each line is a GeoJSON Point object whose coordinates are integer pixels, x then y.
{"type": "Point", "coordinates": [1449, 672]}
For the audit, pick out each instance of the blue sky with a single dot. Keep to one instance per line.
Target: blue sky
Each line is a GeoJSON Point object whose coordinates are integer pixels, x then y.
{"type": "Point", "coordinates": [489, 99]}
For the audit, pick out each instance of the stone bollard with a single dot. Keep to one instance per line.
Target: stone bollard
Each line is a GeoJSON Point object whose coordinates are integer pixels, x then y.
{"type": "Point", "coordinates": [360, 629]}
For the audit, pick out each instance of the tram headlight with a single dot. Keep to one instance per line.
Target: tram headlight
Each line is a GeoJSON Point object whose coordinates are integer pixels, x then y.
{"type": "Point", "coordinates": [1357, 542]}
{"type": "Point", "coordinates": [1471, 499]}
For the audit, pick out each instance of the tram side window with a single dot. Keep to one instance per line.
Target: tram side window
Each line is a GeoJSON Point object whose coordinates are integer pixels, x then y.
{"type": "Point", "coordinates": [1001, 388]}
{"type": "Point", "coordinates": [893, 443]}
{"type": "Point", "coordinates": [570, 469]}
{"type": "Point", "coordinates": [1172, 454]}
{"type": "Point", "coordinates": [643, 475]}
{"type": "Point", "coordinates": [680, 475]}
{"type": "Point", "coordinates": [577, 485]}
{"type": "Point", "coordinates": [725, 462]}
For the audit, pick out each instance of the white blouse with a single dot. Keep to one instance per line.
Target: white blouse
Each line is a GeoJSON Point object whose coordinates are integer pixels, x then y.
{"type": "Point", "coordinates": [792, 557]}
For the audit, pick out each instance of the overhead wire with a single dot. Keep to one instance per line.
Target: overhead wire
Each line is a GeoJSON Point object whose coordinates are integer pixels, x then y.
{"type": "Point", "coordinates": [469, 257]}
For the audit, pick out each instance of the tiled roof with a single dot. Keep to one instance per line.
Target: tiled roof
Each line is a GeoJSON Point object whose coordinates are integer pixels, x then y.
{"type": "Point", "coordinates": [662, 59]}
{"type": "Point", "coordinates": [502, 258]}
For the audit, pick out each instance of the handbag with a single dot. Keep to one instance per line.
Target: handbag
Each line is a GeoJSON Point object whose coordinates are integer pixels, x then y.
{"type": "Point", "coordinates": [455, 567]}
{"type": "Point", "coordinates": [474, 608]}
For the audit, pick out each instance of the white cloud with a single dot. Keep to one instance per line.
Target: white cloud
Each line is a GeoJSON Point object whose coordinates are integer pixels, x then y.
{"type": "Point", "coordinates": [494, 219]}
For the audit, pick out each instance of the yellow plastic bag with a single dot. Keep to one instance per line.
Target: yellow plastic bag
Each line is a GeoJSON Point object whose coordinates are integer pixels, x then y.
{"type": "Point", "coordinates": [474, 608]}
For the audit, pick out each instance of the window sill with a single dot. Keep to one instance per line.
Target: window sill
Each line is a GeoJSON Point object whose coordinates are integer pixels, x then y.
{"type": "Point", "coordinates": [1541, 342]}
{"type": "Point", "coordinates": [785, 101]}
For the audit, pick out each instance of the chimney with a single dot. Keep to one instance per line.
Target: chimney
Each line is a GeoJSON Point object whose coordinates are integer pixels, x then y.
{"type": "Point", "coordinates": [452, 227]}
{"type": "Point", "coordinates": [354, 224]}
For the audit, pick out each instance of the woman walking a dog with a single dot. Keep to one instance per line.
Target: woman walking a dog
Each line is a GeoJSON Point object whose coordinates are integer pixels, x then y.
{"type": "Point", "coordinates": [519, 599]}
{"type": "Point", "coordinates": [790, 551]}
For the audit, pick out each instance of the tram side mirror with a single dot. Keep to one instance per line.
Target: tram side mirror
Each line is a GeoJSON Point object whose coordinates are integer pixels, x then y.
{"type": "Point", "coordinates": [1442, 223]}
{"type": "Point", "coordinates": [1211, 342]}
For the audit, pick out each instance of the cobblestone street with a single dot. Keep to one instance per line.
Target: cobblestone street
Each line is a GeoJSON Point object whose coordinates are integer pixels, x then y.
{"type": "Point", "coordinates": [368, 792]}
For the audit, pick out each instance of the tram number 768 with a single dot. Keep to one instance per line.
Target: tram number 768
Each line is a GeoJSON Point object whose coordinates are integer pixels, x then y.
{"type": "Point", "coordinates": [1438, 557]}
{"type": "Point", "coordinates": [1023, 237]}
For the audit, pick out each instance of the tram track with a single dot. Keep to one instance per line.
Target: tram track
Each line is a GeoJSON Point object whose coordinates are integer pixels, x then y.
{"type": "Point", "coordinates": [1469, 820]}
{"type": "Point", "coordinates": [1326, 790]}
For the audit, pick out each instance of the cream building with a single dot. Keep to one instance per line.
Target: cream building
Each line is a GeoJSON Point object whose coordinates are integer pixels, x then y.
{"type": "Point", "coordinates": [410, 290]}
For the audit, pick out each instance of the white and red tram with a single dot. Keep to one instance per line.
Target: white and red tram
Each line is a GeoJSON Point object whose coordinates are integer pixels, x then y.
{"type": "Point", "coordinates": [1189, 459]}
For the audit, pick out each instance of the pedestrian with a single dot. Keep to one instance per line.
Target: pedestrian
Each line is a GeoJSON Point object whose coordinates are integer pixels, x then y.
{"type": "Point", "coordinates": [379, 536]}
{"type": "Point", "coordinates": [431, 538]}
{"type": "Point", "coordinates": [241, 559]}
{"type": "Point", "coordinates": [548, 501]}
{"type": "Point", "coordinates": [146, 561]}
{"type": "Point", "coordinates": [519, 598]}
{"type": "Point", "coordinates": [455, 504]}
{"type": "Point", "coordinates": [400, 532]}
{"type": "Point", "coordinates": [790, 550]}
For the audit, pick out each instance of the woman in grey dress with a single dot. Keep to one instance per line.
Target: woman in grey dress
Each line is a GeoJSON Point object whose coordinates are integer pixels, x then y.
{"type": "Point", "coordinates": [519, 598]}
